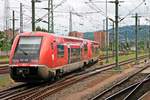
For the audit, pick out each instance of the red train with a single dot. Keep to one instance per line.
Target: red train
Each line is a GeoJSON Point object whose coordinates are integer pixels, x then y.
{"type": "Point", "coordinates": [38, 56]}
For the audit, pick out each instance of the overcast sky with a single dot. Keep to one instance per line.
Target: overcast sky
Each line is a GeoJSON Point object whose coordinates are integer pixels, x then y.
{"type": "Point", "coordinates": [83, 23]}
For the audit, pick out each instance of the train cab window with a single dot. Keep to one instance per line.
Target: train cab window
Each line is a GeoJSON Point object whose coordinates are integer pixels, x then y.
{"type": "Point", "coordinates": [60, 51]}
{"type": "Point", "coordinates": [28, 48]}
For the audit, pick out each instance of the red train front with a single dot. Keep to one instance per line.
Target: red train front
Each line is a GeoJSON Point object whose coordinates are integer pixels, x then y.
{"type": "Point", "coordinates": [37, 56]}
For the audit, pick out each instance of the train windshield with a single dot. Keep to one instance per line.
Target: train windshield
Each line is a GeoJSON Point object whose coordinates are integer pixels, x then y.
{"type": "Point", "coordinates": [28, 48]}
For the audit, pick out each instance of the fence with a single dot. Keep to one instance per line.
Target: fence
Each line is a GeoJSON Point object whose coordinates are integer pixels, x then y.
{"type": "Point", "coordinates": [4, 53]}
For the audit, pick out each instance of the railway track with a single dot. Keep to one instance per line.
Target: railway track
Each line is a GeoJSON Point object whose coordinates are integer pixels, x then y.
{"type": "Point", "coordinates": [3, 62]}
{"type": "Point", "coordinates": [11, 90]}
{"type": "Point", "coordinates": [4, 68]}
{"type": "Point", "coordinates": [125, 89]}
{"type": "Point", "coordinates": [44, 90]}
{"type": "Point", "coordinates": [140, 89]}
{"type": "Point", "coordinates": [17, 89]}
{"type": "Point", "coordinates": [132, 92]}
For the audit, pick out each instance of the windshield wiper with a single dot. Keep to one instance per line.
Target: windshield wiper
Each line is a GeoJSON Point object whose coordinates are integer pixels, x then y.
{"type": "Point", "coordinates": [25, 53]}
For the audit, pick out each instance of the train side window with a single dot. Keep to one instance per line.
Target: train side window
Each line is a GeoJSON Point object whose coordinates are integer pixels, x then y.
{"type": "Point", "coordinates": [85, 48]}
{"type": "Point", "coordinates": [60, 51]}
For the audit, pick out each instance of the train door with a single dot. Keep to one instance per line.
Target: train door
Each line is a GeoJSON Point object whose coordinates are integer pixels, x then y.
{"type": "Point", "coordinates": [86, 51]}
{"type": "Point", "coordinates": [75, 54]}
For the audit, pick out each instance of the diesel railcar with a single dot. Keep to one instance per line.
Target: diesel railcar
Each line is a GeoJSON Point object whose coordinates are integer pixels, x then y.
{"type": "Point", "coordinates": [37, 56]}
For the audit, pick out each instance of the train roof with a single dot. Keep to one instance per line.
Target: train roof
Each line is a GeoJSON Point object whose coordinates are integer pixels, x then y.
{"type": "Point", "coordinates": [38, 33]}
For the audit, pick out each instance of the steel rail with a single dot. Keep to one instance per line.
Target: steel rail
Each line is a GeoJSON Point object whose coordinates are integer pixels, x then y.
{"type": "Point", "coordinates": [115, 85]}
{"type": "Point", "coordinates": [49, 90]}
{"type": "Point", "coordinates": [131, 95]}
{"type": "Point", "coordinates": [56, 86]}
{"type": "Point", "coordinates": [128, 90]}
{"type": "Point", "coordinates": [4, 68]}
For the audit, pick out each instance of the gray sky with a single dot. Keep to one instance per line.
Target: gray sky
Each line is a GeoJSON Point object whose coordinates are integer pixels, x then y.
{"type": "Point", "coordinates": [84, 23]}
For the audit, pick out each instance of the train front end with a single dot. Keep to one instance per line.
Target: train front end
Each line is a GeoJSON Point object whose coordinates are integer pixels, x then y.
{"type": "Point", "coordinates": [24, 59]}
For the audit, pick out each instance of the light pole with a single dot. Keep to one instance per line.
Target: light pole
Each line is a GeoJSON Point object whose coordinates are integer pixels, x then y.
{"type": "Point", "coordinates": [49, 16]}
{"type": "Point", "coordinates": [117, 34]}
{"type": "Point", "coordinates": [107, 36]}
{"type": "Point", "coordinates": [136, 30]}
{"type": "Point", "coordinates": [148, 38]}
{"type": "Point", "coordinates": [33, 15]}
{"type": "Point", "coordinates": [70, 21]}
{"type": "Point", "coordinates": [52, 16]}
{"type": "Point", "coordinates": [104, 25]}
{"type": "Point", "coordinates": [13, 24]}
{"type": "Point", "coordinates": [136, 37]}
{"type": "Point", "coordinates": [113, 27]}
{"type": "Point", "coordinates": [21, 18]}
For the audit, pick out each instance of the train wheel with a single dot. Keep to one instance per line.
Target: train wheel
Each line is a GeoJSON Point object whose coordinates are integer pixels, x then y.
{"type": "Point", "coordinates": [52, 79]}
{"type": "Point", "coordinates": [59, 74]}
{"type": "Point", "coordinates": [82, 68]}
{"type": "Point", "coordinates": [84, 64]}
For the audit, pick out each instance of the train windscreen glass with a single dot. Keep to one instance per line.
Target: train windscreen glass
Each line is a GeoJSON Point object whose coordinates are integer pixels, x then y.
{"type": "Point", "coordinates": [28, 49]}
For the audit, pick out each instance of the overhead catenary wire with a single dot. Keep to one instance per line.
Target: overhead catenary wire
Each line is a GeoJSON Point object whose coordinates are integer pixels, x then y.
{"type": "Point", "coordinates": [97, 7]}
{"type": "Point", "coordinates": [40, 19]}
{"type": "Point", "coordinates": [132, 10]}
{"type": "Point", "coordinates": [103, 14]}
{"type": "Point", "coordinates": [19, 13]}
{"type": "Point", "coordinates": [96, 10]}
{"type": "Point", "coordinates": [63, 1]}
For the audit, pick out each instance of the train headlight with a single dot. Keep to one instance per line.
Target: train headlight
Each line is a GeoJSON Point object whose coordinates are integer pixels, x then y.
{"type": "Point", "coordinates": [15, 61]}
{"type": "Point", "coordinates": [34, 61]}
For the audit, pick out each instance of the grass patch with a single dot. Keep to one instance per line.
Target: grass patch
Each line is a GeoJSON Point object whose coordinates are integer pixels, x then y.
{"type": "Point", "coordinates": [4, 58]}
{"type": "Point", "coordinates": [5, 81]}
{"type": "Point", "coordinates": [124, 57]}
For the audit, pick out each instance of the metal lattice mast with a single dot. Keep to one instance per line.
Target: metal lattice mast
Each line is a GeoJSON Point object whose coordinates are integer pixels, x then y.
{"type": "Point", "coordinates": [33, 15]}
{"type": "Point", "coordinates": [6, 15]}
{"type": "Point", "coordinates": [21, 18]}
{"type": "Point", "coordinates": [50, 16]}
{"type": "Point", "coordinates": [117, 34]}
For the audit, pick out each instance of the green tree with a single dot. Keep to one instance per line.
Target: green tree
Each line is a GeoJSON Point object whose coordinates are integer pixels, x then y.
{"type": "Point", "coordinates": [5, 43]}
{"type": "Point", "coordinates": [38, 28]}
